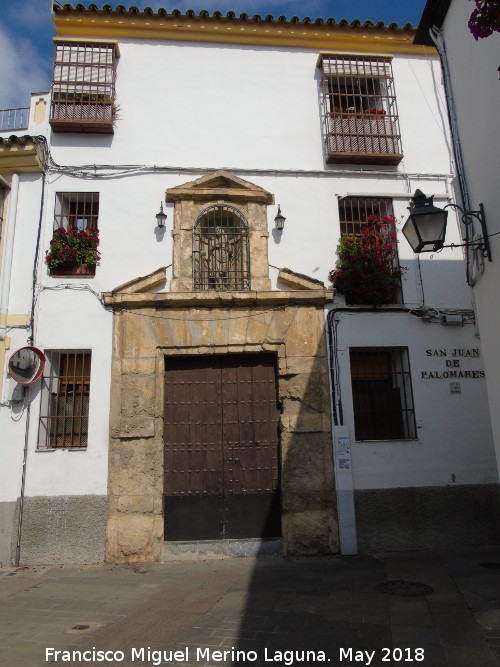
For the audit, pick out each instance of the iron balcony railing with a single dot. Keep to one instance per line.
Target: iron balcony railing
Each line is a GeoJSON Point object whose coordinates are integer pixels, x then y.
{"type": "Point", "coordinates": [360, 137]}
{"type": "Point", "coordinates": [14, 119]}
{"type": "Point", "coordinates": [361, 123]}
{"type": "Point", "coordinates": [83, 87]}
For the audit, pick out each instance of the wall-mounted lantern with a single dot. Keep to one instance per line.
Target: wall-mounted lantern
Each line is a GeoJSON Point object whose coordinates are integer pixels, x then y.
{"type": "Point", "coordinates": [161, 217]}
{"type": "Point", "coordinates": [426, 226]}
{"type": "Point", "coordinates": [279, 220]}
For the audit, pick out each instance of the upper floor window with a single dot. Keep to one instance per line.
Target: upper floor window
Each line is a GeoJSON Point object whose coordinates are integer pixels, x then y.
{"type": "Point", "coordinates": [73, 249]}
{"type": "Point", "coordinates": [356, 212]}
{"type": "Point", "coordinates": [65, 393]}
{"type": "Point", "coordinates": [83, 87]}
{"type": "Point", "coordinates": [368, 270]}
{"type": "Point", "coordinates": [221, 259]}
{"type": "Point", "coordinates": [359, 110]}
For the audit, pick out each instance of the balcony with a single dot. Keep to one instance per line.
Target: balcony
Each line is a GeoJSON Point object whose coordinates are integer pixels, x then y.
{"type": "Point", "coordinates": [362, 138]}
{"type": "Point", "coordinates": [73, 112]}
{"type": "Point", "coordinates": [14, 119]}
{"type": "Point", "coordinates": [83, 87]}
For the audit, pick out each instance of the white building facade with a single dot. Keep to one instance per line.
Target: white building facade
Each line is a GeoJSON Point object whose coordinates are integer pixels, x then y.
{"type": "Point", "coordinates": [202, 380]}
{"type": "Point", "coordinates": [473, 97]}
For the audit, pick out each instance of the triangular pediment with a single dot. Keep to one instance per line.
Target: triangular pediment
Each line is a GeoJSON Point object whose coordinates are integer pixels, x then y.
{"type": "Point", "coordinates": [298, 281]}
{"type": "Point", "coordinates": [143, 284]}
{"type": "Point", "coordinates": [220, 184]}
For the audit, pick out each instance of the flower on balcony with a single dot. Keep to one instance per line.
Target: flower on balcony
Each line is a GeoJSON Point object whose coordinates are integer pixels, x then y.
{"type": "Point", "coordinates": [485, 18]}
{"type": "Point", "coordinates": [380, 112]}
{"type": "Point", "coordinates": [72, 247]}
{"type": "Point", "coordinates": [367, 269]}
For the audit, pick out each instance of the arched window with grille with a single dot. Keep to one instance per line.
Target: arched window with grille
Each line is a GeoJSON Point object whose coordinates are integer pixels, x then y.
{"type": "Point", "coordinates": [221, 259]}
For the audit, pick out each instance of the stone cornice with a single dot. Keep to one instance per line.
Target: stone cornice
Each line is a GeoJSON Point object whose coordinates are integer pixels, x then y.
{"type": "Point", "coordinates": [249, 299]}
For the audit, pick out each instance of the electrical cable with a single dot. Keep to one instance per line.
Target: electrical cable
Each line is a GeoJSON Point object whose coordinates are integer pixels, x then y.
{"type": "Point", "coordinates": [35, 265]}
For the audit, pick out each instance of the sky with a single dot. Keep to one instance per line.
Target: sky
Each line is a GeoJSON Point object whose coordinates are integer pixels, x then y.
{"type": "Point", "coordinates": [26, 30]}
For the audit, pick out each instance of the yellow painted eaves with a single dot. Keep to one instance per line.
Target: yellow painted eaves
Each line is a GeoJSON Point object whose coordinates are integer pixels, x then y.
{"type": "Point", "coordinates": [18, 155]}
{"type": "Point", "coordinates": [236, 31]}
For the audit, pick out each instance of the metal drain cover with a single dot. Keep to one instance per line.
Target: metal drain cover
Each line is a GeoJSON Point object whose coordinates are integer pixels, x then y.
{"type": "Point", "coordinates": [403, 588]}
{"type": "Point", "coordinates": [491, 566]}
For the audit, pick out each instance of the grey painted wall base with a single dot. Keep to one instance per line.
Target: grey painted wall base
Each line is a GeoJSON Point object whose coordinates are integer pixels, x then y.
{"type": "Point", "coordinates": [427, 517]}
{"type": "Point", "coordinates": [64, 529]}
{"type": "Point", "coordinates": [8, 535]}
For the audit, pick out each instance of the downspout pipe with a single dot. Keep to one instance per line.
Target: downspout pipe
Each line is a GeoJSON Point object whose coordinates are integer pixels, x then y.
{"type": "Point", "coordinates": [5, 276]}
{"type": "Point", "coordinates": [438, 38]}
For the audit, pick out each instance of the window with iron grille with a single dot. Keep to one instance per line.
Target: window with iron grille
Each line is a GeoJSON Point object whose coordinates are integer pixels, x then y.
{"type": "Point", "coordinates": [382, 393]}
{"type": "Point", "coordinates": [65, 392]}
{"type": "Point", "coordinates": [356, 212]}
{"type": "Point", "coordinates": [221, 259]}
{"type": "Point", "coordinates": [73, 249]}
{"type": "Point", "coordinates": [83, 87]}
{"type": "Point", "coordinates": [359, 110]}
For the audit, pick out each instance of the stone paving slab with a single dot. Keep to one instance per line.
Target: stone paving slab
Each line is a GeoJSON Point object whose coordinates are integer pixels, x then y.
{"type": "Point", "coordinates": [257, 611]}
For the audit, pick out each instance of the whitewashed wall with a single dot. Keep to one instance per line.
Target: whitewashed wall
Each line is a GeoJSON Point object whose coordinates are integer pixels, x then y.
{"type": "Point", "coordinates": [13, 417]}
{"type": "Point", "coordinates": [476, 91]}
{"type": "Point", "coordinates": [451, 448]}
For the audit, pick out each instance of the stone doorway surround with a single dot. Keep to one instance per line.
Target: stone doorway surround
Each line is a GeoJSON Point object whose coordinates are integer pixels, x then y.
{"type": "Point", "coordinates": [151, 325]}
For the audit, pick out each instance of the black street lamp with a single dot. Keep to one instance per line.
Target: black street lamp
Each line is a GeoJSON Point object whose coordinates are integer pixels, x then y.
{"type": "Point", "coordinates": [426, 226]}
{"type": "Point", "coordinates": [279, 220]}
{"type": "Point", "coordinates": [161, 217]}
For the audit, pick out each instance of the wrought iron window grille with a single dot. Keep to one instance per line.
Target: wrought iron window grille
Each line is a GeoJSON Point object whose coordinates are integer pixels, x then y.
{"type": "Point", "coordinates": [360, 116]}
{"type": "Point", "coordinates": [221, 257]}
{"type": "Point", "coordinates": [65, 394]}
{"type": "Point", "coordinates": [382, 393]}
{"type": "Point", "coordinates": [80, 211]}
{"type": "Point", "coordinates": [83, 87]}
{"type": "Point", "coordinates": [354, 214]}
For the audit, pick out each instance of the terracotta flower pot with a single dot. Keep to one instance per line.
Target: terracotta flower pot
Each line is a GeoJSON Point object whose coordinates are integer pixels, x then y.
{"type": "Point", "coordinates": [73, 270]}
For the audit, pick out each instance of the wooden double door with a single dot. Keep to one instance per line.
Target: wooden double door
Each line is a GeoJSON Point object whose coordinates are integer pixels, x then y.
{"type": "Point", "coordinates": [221, 460]}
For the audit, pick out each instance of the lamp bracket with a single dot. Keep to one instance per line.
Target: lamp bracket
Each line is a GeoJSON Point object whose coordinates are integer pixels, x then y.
{"type": "Point", "coordinates": [468, 218]}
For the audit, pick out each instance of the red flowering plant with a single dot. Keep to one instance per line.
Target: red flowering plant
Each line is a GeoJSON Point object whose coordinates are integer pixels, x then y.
{"type": "Point", "coordinates": [367, 269]}
{"type": "Point", "coordinates": [485, 18]}
{"type": "Point", "coordinates": [72, 247]}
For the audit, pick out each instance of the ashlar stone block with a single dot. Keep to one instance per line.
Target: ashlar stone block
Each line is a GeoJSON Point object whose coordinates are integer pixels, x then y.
{"type": "Point", "coordinates": [132, 537]}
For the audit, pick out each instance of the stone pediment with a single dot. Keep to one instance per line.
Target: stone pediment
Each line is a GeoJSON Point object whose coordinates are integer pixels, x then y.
{"type": "Point", "coordinates": [143, 284]}
{"type": "Point", "coordinates": [219, 184]}
{"type": "Point", "coordinates": [298, 281]}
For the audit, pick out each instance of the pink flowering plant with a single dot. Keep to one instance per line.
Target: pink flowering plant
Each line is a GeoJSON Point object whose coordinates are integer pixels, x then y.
{"type": "Point", "coordinates": [72, 247]}
{"type": "Point", "coordinates": [367, 269]}
{"type": "Point", "coordinates": [485, 18]}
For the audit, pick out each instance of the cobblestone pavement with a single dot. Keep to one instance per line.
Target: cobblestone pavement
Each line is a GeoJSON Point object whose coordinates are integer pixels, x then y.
{"type": "Point", "coordinates": [257, 611]}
